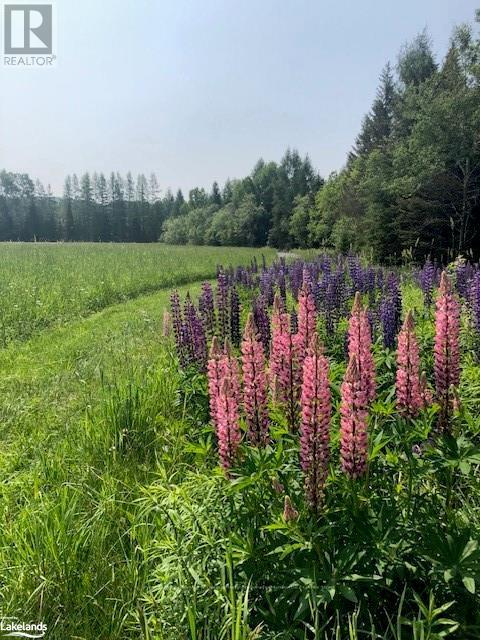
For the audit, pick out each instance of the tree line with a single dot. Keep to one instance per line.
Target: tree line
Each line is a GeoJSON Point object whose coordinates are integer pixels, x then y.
{"type": "Point", "coordinates": [410, 185]}
{"type": "Point", "coordinates": [253, 211]}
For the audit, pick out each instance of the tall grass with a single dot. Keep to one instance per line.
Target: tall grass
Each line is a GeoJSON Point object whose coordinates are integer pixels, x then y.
{"type": "Point", "coordinates": [45, 284]}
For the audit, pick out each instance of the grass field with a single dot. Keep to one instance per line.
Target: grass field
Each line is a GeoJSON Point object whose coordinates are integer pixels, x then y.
{"type": "Point", "coordinates": [118, 523]}
{"type": "Point", "coordinates": [49, 284]}
{"type": "Point", "coordinates": [82, 326]}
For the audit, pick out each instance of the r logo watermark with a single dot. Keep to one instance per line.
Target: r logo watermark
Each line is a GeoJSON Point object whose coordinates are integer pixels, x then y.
{"type": "Point", "coordinates": [28, 35]}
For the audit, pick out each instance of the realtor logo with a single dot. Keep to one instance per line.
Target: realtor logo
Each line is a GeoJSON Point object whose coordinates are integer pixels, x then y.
{"type": "Point", "coordinates": [27, 29]}
{"type": "Point", "coordinates": [29, 35]}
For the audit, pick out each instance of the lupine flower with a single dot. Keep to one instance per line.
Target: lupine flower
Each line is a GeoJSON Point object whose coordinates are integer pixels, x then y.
{"type": "Point", "coordinates": [447, 354]}
{"type": "Point", "coordinates": [307, 319]}
{"type": "Point", "coordinates": [389, 322]}
{"type": "Point", "coordinates": [355, 272]}
{"type": "Point", "coordinates": [228, 429]}
{"type": "Point", "coordinates": [231, 370]}
{"type": "Point", "coordinates": [177, 324]}
{"type": "Point", "coordinates": [360, 345]}
{"type": "Point", "coordinates": [296, 278]}
{"type": "Point", "coordinates": [207, 308]}
{"type": "Point", "coordinates": [426, 278]}
{"type": "Point", "coordinates": [316, 412]}
{"type": "Point", "coordinates": [234, 317]}
{"type": "Point", "coordinates": [215, 377]}
{"type": "Point", "coordinates": [409, 392]}
{"type": "Point", "coordinates": [280, 322]}
{"type": "Point", "coordinates": [391, 310]}
{"type": "Point", "coordinates": [262, 321]}
{"type": "Point", "coordinates": [353, 422]}
{"type": "Point", "coordinates": [194, 339]}
{"type": "Point", "coordinates": [474, 298]}
{"type": "Point", "coordinates": [334, 286]}
{"type": "Point", "coordinates": [289, 376]}
{"type": "Point", "coordinates": [222, 305]}
{"type": "Point", "coordinates": [267, 287]}
{"type": "Point", "coordinates": [282, 285]}
{"type": "Point", "coordinates": [254, 385]}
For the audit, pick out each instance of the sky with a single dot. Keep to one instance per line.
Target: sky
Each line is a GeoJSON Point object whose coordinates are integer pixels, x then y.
{"type": "Point", "coordinates": [199, 91]}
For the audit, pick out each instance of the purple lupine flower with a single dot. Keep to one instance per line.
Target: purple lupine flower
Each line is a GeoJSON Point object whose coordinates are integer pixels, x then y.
{"type": "Point", "coordinates": [389, 323]}
{"type": "Point", "coordinates": [282, 286]}
{"type": "Point", "coordinates": [267, 287]}
{"type": "Point", "coordinates": [296, 277]}
{"type": "Point", "coordinates": [464, 274]}
{"type": "Point", "coordinates": [177, 323]}
{"type": "Point", "coordinates": [193, 336]}
{"type": "Point", "coordinates": [391, 310]}
{"type": "Point", "coordinates": [355, 271]}
{"type": "Point", "coordinates": [206, 307]}
{"type": "Point", "coordinates": [335, 297]}
{"type": "Point", "coordinates": [426, 281]}
{"type": "Point", "coordinates": [474, 299]}
{"type": "Point", "coordinates": [234, 317]}
{"type": "Point", "coordinates": [222, 306]}
{"type": "Point", "coordinates": [262, 321]}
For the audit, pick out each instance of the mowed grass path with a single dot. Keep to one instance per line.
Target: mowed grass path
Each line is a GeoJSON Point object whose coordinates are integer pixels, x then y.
{"type": "Point", "coordinates": [65, 499]}
{"type": "Point", "coordinates": [42, 285]}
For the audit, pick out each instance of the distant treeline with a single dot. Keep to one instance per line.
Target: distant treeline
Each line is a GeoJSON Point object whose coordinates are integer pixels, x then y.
{"type": "Point", "coordinates": [253, 211]}
{"type": "Point", "coordinates": [411, 184]}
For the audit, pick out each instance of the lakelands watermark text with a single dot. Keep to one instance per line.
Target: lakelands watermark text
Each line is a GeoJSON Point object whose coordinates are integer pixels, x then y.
{"type": "Point", "coordinates": [13, 628]}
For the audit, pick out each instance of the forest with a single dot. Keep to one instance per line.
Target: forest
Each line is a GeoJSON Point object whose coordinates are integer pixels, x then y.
{"type": "Point", "coordinates": [410, 186]}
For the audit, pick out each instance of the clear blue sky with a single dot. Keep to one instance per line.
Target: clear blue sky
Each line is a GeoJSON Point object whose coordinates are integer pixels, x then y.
{"type": "Point", "coordinates": [197, 91]}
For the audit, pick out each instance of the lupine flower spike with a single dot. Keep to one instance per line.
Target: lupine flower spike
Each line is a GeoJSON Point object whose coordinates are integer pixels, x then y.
{"type": "Point", "coordinates": [215, 376]}
{"type": "Point", "coordinates": [307, 319]}
{"type": "Point", "coordinates": [228, 430]}
{"type": "Point", "coordinates": [254, 385]}
{"type": "Point", "coordinates": [353, 422]}
{"type": "Point", "coordinates": [315, 423]}
{"type": "Point", "coordinates": [285, 371]}
{"type": "Point", "coordinates": [447, 353]}
{"type": "Point", "coordinates": [360, 345]}
{"type": "Point", "coordinates": [410, 399]}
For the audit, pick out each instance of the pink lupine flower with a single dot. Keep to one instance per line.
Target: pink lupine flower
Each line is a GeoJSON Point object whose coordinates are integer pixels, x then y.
{"type": "Point", "coordinates": [447, 351]}
{"type": "Point", "coordinates": [230, 370]}
{"type": "Point", "coordinates": [254, 385]}
{"type": "Point", "coordinates": [228, 429]}
{"type": "Point", "coordinates": [360, 345]}
{"type": "Point", "coordinates": [353, 422]}
{"type": "Point", "coordinates": [215, 377]}
{"type": "Point", "coordinates": [285, 372]}
{"type": "Point", "coordinates": [307, 319]}
{"type": "Point", "coordinates": [315, 423]}
{"type": "Point", "coordinates": [279, 324]}
{"type": "Point", "coordinates": [409, 392]}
